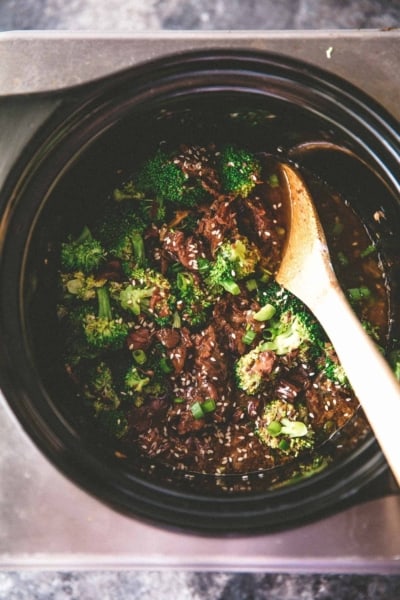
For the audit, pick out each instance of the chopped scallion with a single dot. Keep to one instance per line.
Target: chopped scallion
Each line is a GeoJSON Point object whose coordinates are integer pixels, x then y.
{"type": "Point", "coordinates": [208, 405]}
{"type": "Point", "coordinates": [179, 400]}
{"type": "Point", "coordinates": [342, 258]}
{"type": "Point", "coordinates": [197, 410]}
{"type": "Point", "coordinates": [139, 356]}
{"type": "Point", "coordinates": [273, 180]}
{"type": "Point", "coordinates": [231, 286]}
{"type": "Point", "coordinates": [359, 293]}
{"type": "Point", "coordinates": [368, 250]}
{"type": "Point", "coordinates": [251, 284]}
{"type": "Point", "coordinates": [249, 336]}
{"type": "Point", "coordinates": [274, 428]}
{"type": "Point", "coordinates": [265, 313]}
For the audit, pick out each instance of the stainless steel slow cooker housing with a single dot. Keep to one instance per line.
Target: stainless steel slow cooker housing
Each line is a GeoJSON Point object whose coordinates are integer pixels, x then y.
{"type": "Point", "coordinates": [63, 174]}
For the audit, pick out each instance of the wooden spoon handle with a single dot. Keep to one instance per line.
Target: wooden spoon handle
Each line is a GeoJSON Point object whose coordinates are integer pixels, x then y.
{"type": "Point", "coordinates": [370, 375]}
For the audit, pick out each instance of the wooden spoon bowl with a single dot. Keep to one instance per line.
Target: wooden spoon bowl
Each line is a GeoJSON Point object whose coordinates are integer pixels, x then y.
{"type": "Point", "coordinates": [306, 271]}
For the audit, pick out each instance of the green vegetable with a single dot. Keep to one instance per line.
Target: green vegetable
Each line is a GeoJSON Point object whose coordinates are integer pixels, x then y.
{"type": "Point", "coordinates": [283, 427]}
{"type": "Point", "coordinates": [359, 293]}
{"type": "Point", "coordinates": [371, 249]}
{"type": "Point", "coordinates": [103, 330]}
{"type": "Point", "coordinates": [121, 232]}
{"type": "Point", "coordinates": [249, 336]}
{"type": "Point", "coordinates": [99, 387]}
{"type": "Point", "coordinates": [394, 360]}
{"type": "Point", "coordinates": [239, 171]}
{"type": "Point", "coordinates": [192, 300]}
{"type": "Point", "coordinates": [334, 371]}
{"type": "Point", "coordinates": [134, 379]}
{"type": "Point", "coordinates": [113, 423]}
{"type": "Point", "coordinates": [148, 292]}
{"type": "Point", "coordinates": [233, 261]}
{"type": "Point", "coordinates": [265, 313]}
{"type": "Point", "coordinates": [82, 254]}
{"type": "Point", "coordinates": [197, 410]}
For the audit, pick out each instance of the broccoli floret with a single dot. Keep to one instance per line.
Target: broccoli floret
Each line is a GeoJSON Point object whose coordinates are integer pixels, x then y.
{"type": "Point", "coordinates": [290, 332]}
{"type": "Point", "coordinates": [80, 286]}
{"type": "Point", "coordinates": [162, 177]}
{"type": "Point", "coordinates": [134, 380]}
{"type": "Point", "coordinates": [99, 387]}
{"type": "Point", "coordinates": [253, 370]}
{"type": "Point", "coordinates": [151, 292]}
{"type": "Point", "coordinates": [102, 330]}
{"type": "Point", "coordinates": [82, 254]}
{"type": "Point", "coordinates": [241, 255]}
{"type": "Point", "coordinates": [394, 361]}
{"type": "Point", "coordinates": [191, 300]}
{"type": "Point", "coordinates": [136, 299]}
{"type": "Point", "coordinates": [218, 275]}
{"type": "Point", "coordinates": [239, 171]}
{"type": "Point", "coordinates": [121, 232]}
{"type": "Point", "coordinates": [292, 325]}
{"type": "Point", "coordinates": [279, 297]}
{"type": "Point", "coordinates": [75, 345]}
{"type": "Point", "coordinates": [334, 371]}
{"type": "Point", "coordinates": [113, 423]}
{"type": "Point", "coordinates": [233, 261]}
{"type": "Point", "coordinates": [164, 180]}
{"type": "Point", "coordinates": [283, 427]}
{"type": "Point", "coordinates": [150, 210]}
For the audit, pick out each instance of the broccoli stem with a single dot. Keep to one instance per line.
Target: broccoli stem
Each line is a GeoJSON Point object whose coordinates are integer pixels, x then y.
{"type": "Point", "coordinates": [104, 306]}
{"type": "Point", "coordinates": [138, 249]}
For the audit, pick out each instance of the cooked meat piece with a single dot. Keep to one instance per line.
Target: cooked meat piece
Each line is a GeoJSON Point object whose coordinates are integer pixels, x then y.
{"type": "Point", "coordinates": [328, 402]}
{"type": "Point", "coordinates": [169, 337]}
{"type": "Point", "coordinates": [139, 339]}
{"type": "Point", "coordinates": [182, 248]}
{"type": "Point", "coordinates": [218, 222]}
{"type": "Point", "coordinates": [232, 315]}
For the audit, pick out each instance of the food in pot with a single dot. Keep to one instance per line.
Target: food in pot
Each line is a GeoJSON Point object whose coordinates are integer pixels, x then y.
{"type": "Point", "coordinates": [181, 345]}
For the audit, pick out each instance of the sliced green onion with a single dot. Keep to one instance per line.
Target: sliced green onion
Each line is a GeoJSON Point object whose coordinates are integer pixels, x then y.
{"type": "Point", "coordinates": [249, 336]}
{"type": "Point", "coordinates": [342, 258]}
{"type": "Point", "coordinates": [179, 400]}
{"type": "Point", "coordinates": [139, 356]}
{"type": "Point", "coordinates": [176, 320]}
{"type": "Point", "coordinates": [284, 445]}
{"type": "Point", "coordinates": [337, 228]}
{"type": "Point", "coordinates": [368, 250]}
{"type": "Point", "coordinates": [203, 265]}
{"type": "Point", "coordinates": [265, 276]}
{"type": "Point", "coordinates": [251, 284]}
{"type": "Point", "coordinates": [273, 180]}
{"type": "Point", "coordinates": [293, 428]}
{"type": "Point", "coordinates": [265, 313]}
{"type": "Point", "coordinates": [165, 365]}
{"type": "Point", "coordinates": [197, 410]}
{"type": "Point", "coordinates": [208, 405]}
{"type": "Point", "coordinates": [359, 293]}
{"type": "Point", "coordinates": [231, 286]}
{"type": "Point", "coordinates": [274, 428]}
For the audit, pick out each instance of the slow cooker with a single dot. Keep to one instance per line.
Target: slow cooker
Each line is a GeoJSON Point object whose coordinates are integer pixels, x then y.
{"type": "Point", "coordinates": [62, 142]}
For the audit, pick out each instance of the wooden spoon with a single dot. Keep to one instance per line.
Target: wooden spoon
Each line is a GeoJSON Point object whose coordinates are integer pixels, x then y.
{"type": "Point", "coordinates": [306, 271]}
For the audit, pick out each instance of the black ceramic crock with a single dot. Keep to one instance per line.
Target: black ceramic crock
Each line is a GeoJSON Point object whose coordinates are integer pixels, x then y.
{"type": "Point", "coordinates": [63, 174]}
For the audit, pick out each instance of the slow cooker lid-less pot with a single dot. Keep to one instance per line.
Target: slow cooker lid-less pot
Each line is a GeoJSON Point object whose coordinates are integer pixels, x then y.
{"type": "Point", "coordinates": [66, 171]}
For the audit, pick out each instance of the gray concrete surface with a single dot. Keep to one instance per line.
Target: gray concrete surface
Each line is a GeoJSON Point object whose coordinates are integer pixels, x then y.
{"type": "Point", "coordinates": [139, 15]}
{"type": "Point", "coordinates": [145, 15]}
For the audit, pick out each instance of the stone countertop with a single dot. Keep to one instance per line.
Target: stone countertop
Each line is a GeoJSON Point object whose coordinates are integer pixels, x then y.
{"type": "Point", "coordinates": [177, 585]}
{"type": "Point", "coordinates": [154, 15]}
{"type": "Point", "coordinates": [137, 15]}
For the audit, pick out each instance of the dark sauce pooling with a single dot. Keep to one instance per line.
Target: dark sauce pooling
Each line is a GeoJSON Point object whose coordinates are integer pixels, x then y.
{"type": "Point", "coordinates": [182, 347]}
